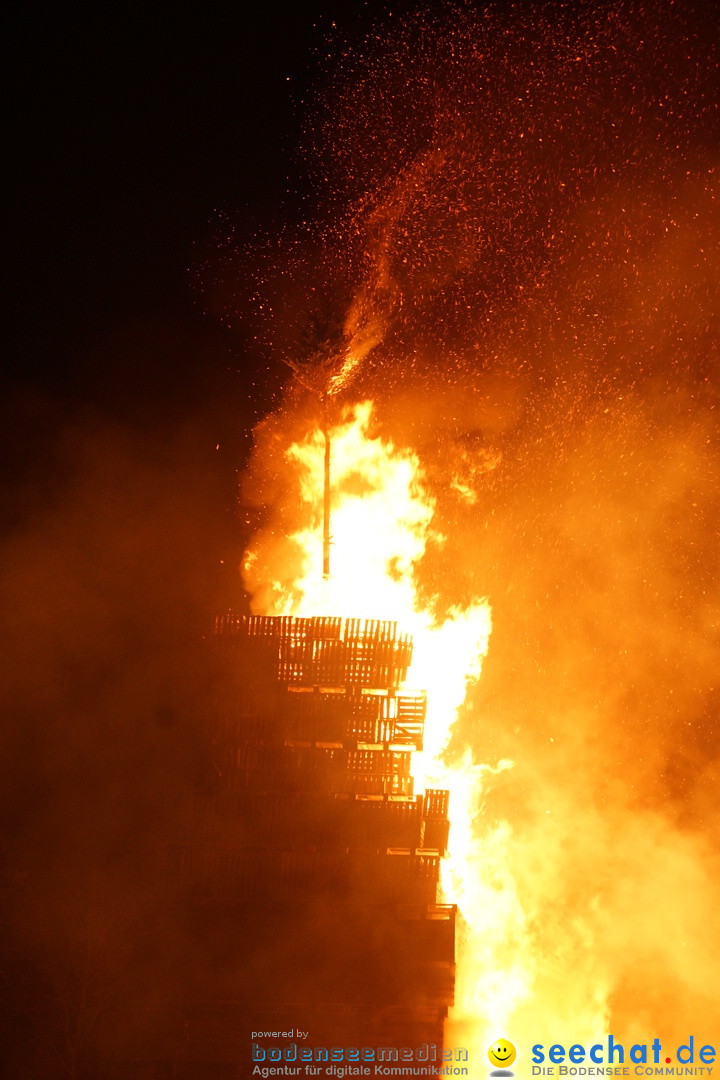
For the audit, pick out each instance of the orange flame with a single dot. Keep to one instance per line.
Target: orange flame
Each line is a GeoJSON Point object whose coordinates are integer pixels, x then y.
{"type": "Point", "coordinates": [382, 521]}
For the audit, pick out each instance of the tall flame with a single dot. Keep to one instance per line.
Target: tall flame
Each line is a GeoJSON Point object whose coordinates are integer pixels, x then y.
{"type": "Point", "coordinates": [382, 523]}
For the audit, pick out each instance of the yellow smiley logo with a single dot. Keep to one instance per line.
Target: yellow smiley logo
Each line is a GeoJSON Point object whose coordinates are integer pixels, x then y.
{"type": "Point", "coordinates": [502, 1053]}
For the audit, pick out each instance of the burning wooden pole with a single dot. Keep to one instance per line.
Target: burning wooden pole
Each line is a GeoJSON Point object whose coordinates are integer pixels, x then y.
{"type": "Point", "coordinates": [325, 422]}
{"type": "Point", "coordinates": [326, 492]}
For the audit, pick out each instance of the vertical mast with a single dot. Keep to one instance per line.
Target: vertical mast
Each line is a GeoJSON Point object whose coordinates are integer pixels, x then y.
{"type": "Point", "coordinates": [326, 493]}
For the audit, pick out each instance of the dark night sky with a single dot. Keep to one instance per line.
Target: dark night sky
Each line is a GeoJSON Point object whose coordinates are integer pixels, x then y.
{"type": "Point", "coordinates": [131, 128]}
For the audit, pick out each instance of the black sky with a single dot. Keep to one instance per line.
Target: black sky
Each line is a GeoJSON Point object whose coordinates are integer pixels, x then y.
{"type": "Point", "coordinates": [131, 126]}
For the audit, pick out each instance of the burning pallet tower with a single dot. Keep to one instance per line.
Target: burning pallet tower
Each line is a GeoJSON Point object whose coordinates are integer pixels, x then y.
{"type": "Point", "coordinates": [331, 866]}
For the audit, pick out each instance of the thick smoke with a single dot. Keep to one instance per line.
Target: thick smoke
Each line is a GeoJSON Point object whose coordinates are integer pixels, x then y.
{"type": "Point", "coordinates": [109, 582]}
{"type": "Point", "coordinates": [526, 205]}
